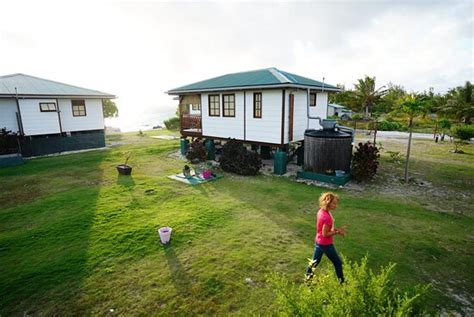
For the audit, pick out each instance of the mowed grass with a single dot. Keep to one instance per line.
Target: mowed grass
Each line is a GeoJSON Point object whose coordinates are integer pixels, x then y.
{"type": "Point", "coordinates": [76, 239]}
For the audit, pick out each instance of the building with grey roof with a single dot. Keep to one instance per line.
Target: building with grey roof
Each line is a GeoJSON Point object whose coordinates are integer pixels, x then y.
{"type": "Point", "coordinates": [50, 116]}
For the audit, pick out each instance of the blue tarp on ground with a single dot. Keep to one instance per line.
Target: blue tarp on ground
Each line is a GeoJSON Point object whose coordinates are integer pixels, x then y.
{"type": "Point", "coordinates": [194, 179]}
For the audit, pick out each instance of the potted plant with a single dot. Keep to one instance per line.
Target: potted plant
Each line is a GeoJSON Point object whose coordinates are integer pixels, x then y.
{"type": "Point", "coordinates": [186, 171]}
{"type": "Point", "coordinates": [125, 169]}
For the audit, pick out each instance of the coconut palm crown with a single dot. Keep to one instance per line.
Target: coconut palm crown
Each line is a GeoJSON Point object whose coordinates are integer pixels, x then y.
{"type": "Point", "coordinates": [366, 94]}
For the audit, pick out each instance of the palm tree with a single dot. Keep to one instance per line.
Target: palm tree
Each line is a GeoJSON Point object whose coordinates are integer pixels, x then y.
{"type": "Point", "coordinates": [460, 103]}
{"type": "Point", "coordinates": [412, 105]}
{"type": "Point", "coordinates": [366, 94]}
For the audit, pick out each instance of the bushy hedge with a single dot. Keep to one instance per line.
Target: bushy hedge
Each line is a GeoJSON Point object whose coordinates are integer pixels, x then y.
{"type": "Point", "coordinates": [172, 123]}
{"type": "Point", "coordinates": [8, 142]}
{"type": "Point", "coordinates": [388, 125]}
{"type": "Point", "coordinates": [463, 132]}
{"type": "Point", "coordinates": [365, 161]}
{"type": "Point", "coordinates": [237, 159]}
{"type": "Point", "coordinates": [364, 293]}
{"type": "Point", "coordinates": [197, 152]}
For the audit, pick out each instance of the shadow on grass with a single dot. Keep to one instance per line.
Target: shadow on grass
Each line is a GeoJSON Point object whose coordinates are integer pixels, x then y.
{"type": "Point", "coordinates": [44, 242]}
{"type": "Point", "coordinates": [178, 275]}
{"type": "Point", "coordinates": [280, 201]}
{"type": "Point", "coordinates": [126, 181]}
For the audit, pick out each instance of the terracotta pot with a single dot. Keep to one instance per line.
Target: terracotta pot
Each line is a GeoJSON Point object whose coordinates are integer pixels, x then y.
{"type": "Point", "coordinates": [124, 169]}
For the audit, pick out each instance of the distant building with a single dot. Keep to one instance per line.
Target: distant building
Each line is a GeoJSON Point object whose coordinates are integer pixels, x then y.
{"type": "Point", "coordinates": [49, 116]}
{"type": "Point", "coordinates": [339, 111]}
{"type": "Point", "coordinates": [267, 106]}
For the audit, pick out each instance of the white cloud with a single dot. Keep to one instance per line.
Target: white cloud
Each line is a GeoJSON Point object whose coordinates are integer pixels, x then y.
{"type": "Point", "coordinates": [138, 50]}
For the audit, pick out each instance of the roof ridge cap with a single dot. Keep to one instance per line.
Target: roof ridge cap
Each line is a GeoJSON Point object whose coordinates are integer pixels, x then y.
{"type": "Point", "coordinates": [57, 82]}
{"type": "Point", "coordinates": [11, 75]}
{"type": "Point", "coordinates": [279, 76]}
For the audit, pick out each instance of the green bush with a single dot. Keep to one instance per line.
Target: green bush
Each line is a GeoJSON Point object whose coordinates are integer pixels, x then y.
{"type": "Point", "coordinates": [8, 142]}
{"type": "Point", "coordinates": [364, 293]}
{"type": "Point", "coordinates": [357, 116]}
{"type": "Point", "coordinates": [237, 159]}
{"type": "Point", "coordinates": [463, 132]}
{"type": "Point", "coordinates": [172, 123]}
{"type": "Point", "coordinates": [390, 125]}
{"type": "Point", "coordinates": [444, 124]}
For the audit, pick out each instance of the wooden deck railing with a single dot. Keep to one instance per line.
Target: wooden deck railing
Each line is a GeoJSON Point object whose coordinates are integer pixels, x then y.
{"type": "Point", "coordinates": [189, 121]}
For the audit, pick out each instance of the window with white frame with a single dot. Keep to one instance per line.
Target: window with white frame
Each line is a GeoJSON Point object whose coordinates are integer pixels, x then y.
{"type": "Point", "coordinates": [47, 106]}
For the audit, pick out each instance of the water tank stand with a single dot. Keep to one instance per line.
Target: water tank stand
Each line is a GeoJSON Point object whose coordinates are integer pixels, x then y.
{"type": "Point", "coordinates": [331, 179]}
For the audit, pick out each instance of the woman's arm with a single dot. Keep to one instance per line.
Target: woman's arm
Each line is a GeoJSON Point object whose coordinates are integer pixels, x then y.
{"type": "Point", "coordinates": [327, 232]}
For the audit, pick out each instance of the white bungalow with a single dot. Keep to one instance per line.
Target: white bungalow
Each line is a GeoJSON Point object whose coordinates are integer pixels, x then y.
{"type": "Point", "coordinates": [266, 107]}
{"type": "Point", "coordinates": [49, 116]}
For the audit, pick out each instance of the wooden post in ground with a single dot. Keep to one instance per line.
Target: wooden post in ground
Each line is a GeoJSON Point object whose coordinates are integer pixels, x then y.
{"type": "Point", "coordinates": [375, 131]}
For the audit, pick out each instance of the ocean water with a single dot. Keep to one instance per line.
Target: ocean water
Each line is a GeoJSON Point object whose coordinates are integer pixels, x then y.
{"type": "Point", "coordinates": [135, 123]}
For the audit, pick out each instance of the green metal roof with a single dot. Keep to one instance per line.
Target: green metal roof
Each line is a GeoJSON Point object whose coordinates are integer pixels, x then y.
{"type": "Point", "coordinates": [33, 86]}
{"type": "Point", "coordinates": [252, 79]}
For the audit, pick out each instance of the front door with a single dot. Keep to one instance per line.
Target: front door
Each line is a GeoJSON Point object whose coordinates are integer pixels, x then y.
{"type": "Point", "coordinates": [292, 110]}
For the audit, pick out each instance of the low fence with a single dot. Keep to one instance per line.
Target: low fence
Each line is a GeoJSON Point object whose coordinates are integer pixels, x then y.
{"type": "Point", "coordinates": [370, 127]}
{"type": "Point", "coordinates": [189, 121]}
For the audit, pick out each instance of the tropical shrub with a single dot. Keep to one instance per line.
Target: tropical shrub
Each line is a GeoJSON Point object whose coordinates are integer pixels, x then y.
{"type": "Point", "coordinates": [237, 159]}
{"type": "Point", "coordinates": [395, 157]}
{"type": "Point", "coordinates": [172, 123]}
{"type": "Point", "coordinates": [357, 116]}
{"type": "Point", "coordinates": [197, 152]}
{"type": "Point", "coordinates": [364, 293]}
{"type": "Point", "coordinates": [444, 124]}
{"type": "Point", "coordinates": [390, 125]}
{"type": "Point", "coordinates": [462, 133]}
{"type": "Point", "coordinates": [365, 161]}
{"type": "Point", "coordinates": [8, 142]}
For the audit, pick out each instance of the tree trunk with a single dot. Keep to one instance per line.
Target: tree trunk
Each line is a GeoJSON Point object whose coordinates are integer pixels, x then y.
{"type": "Point", "coordinates": [408, 149]}
{"type": "Point", "coordinates": [375, 132]}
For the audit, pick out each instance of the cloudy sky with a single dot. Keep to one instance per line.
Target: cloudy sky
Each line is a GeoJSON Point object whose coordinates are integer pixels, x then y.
{"type": "Point", "coordinates": [137, 50]}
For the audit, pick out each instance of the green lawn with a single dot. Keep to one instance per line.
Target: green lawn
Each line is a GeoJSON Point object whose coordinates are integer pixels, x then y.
{"type": "Point", "coordinates": [76, 239]}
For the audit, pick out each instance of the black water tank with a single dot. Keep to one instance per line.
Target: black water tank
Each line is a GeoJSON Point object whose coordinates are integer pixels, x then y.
{"type": "Point", "coordinates": [327, 150]}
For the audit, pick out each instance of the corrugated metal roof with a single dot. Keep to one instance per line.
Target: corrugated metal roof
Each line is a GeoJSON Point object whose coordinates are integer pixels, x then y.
{"type": "Point", "coordinates": [335, 105]}
{"type": "Point", "coordinates": [256, 78]}
{"type": "Point", "coordinates": [27, 85]}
